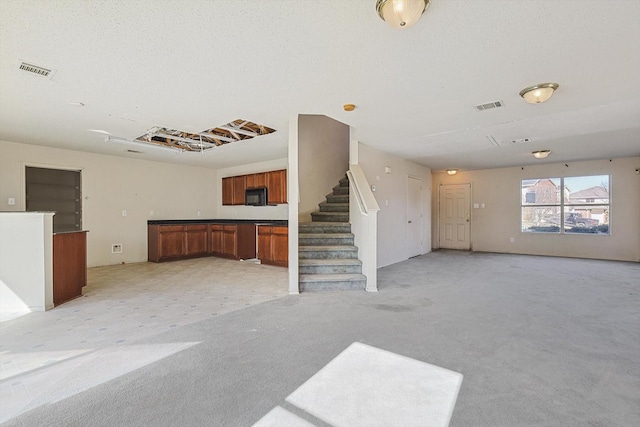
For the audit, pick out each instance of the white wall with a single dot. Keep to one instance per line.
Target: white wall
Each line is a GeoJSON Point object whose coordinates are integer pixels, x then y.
{"type": "Point", "coordinates": [391, 195]}
{"type": "Point", "coordinates": [499, 190]}
{"type": "Point", "coordinates": [279, 212]}
{"type": "Point", "coordinates": [110, 185]}
{"type": "Point", "coordinates": [26, 261]}
{"type": "Point", "coordinates": [323, 159]}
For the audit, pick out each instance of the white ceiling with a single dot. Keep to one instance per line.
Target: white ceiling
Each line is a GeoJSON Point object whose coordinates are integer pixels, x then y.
{"type": "Point", "coordinates": [192, 65]}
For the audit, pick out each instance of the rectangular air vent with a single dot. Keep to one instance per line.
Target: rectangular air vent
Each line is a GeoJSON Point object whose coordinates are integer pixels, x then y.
{"type": "Point", "coordinates": [489, 105]}
{"type": "Point", "coordinates": [40, 71]}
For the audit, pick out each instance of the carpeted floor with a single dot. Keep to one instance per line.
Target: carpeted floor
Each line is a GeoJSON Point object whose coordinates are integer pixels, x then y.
{"type": "Point", "coordinates": [537, 340]}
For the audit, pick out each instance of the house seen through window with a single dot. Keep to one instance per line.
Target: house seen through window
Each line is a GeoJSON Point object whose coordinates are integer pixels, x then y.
{"type": "Point", "coordinates": [570, 205]}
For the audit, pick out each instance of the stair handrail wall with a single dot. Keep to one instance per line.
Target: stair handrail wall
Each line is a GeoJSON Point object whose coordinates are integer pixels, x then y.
{"type": "Point", "coordinates": [363, 216]}
{"type": "Point", "coordinates": [358, 194]}
{"type": "Point", "coordinates": [366, 201]}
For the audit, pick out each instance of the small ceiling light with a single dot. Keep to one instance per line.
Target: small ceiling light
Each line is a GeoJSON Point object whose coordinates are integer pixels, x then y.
{"type": "Point", "coordinates": [538, 93]}
{"type": "Point", "coordinates": [541, 154]}
{"type": "Point", "coordinates": [349, 107]}
{"type": "Point", "coordinates": [401, 13]}
{"type": "Point", "coordinates": [452, 171]}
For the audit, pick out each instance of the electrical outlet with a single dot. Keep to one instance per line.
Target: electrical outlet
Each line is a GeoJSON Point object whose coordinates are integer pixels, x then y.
{"type": "Point", "coordinates": [124, 213]}
{"type": "Point", "coordinates": [116, 248]}
{"type": "Point", "coordinates": [11, 201]}
{"type": "Point", "coordinates": [512, 240]}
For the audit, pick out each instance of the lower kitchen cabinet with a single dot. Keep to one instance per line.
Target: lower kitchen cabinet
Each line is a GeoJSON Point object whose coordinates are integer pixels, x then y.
{"type": "Point", "coordinates": [171, 242]}
{"type": "Point", "coordinates": [239, 241]}
{"type": "Point", "coordinates": [196, 237]}
{"type": "Point", "coordinates": [273, 245]}
{"type": "Point", "coordinates": [216, 235]}
{"type": "Point", "coordinates": [168, 243]}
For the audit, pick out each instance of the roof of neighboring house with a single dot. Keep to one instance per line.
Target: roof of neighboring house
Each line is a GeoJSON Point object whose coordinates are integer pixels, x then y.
{"type": "Point", "coordinates": [596, 192]}
{"type": "Point", "coordinates": [532, 182]}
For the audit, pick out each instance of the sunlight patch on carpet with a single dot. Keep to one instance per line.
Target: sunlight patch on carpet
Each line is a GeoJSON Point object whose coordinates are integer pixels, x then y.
{"type": "Point", "coordinates": [369, 386]}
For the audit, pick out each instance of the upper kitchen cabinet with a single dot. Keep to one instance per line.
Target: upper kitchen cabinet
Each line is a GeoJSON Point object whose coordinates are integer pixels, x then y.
{"type": "Point", "coordinates": [234, 187]}
{"type": "Point", "coordinates": [277, 187]}
{"type": "Point", "coordinates": [257, 180]}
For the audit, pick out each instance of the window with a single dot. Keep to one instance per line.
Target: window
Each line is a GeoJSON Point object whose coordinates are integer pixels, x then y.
{"type": "Point", "coordinates": [568, 205]}
{"type": "Point", "coordinates": [58, 191]}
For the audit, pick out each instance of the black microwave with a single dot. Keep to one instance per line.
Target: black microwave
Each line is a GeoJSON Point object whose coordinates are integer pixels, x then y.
{"type": "Point", "coordinates": [255, 197]}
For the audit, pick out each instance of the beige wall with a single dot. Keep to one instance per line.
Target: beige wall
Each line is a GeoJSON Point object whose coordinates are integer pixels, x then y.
{"type": "Point", "coordinates": [499, 189]}
{"type": "Point", "coordinates": [279, 212]}
{"type": "Point", "coordinates": [391, 195]}
{"type": "Point", "coordinates": [109, 186]}
{"type": "Point", "coordinates": [323, 159]}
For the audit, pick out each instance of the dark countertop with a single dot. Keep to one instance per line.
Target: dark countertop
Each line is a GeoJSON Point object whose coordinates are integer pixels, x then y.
{"type": "Point", "coordinates": [279, 222]}
{"type": "Point", "coordinates": [70, 232]}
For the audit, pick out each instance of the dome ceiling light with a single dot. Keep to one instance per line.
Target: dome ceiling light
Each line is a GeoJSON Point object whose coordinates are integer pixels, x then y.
{"type": "Point", "coordinates": [401, 13]}
{"type": "Point", "coordinates": [541, 154]}
{"type": "Point", "coordinates": [538, 93]}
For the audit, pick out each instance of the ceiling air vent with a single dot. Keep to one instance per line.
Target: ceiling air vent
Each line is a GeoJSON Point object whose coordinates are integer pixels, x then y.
{"type": "Point", "coordinates": [489, 105]}
{"type": "Point", "coordinates": [30, 68]}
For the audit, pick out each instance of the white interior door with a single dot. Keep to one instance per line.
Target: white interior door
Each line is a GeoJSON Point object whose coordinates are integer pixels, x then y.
{"type": "Point", "coordinates": [414, 216]}
{"type": "Point", "coordinates": [455, 216]}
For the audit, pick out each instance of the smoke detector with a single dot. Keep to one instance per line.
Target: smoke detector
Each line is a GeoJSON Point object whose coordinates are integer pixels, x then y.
{"type": "Point", "coordinates": [506, 142]}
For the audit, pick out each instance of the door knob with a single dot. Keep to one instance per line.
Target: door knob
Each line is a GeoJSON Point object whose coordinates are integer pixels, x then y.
{"type": "Point", "coordinates": [409, 222]}
{"type": "Point", "coordinates": [467, 219]}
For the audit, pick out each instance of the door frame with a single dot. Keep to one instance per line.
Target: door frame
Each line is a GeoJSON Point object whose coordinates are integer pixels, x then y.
{"type": "Point", "coordinates": [421, 204]}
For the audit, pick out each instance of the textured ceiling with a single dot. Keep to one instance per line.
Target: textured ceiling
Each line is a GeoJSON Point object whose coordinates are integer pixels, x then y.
{"type": "Point", "coordinates": [187, 64]}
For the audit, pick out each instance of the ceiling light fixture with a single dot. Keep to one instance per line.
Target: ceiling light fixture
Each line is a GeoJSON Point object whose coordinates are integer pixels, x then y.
{"type": "Point", "coordinates": [401, 13]}
{"type": "Point", "coordinates": [452, 171]}
{"type": "Point", "coordinates": [538, 93]}
{"type": "Point", "coordinates": [541, 154]}
{"type": "Point", "coordinates": [349, 107]}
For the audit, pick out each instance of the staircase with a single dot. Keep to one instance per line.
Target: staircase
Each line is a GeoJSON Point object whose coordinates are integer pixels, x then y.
{"type": "Point", "coordinates": [328, 260]}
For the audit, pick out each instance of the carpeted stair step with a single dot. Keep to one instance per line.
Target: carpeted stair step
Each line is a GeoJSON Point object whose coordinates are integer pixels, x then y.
{"type": "Point", "coordinates": [331, 282]}
{"type": "Point", "coordinates": [326, 239]}
{"type": "Point", "coordinates": [327, 252]}
{"type": "Point", "coordinates": [340, 198]}
{"type": "Point", "coordinates": [334, 207]}
{"type": "Point", "coordinates": [330, 216]}
{"type": "Point", "coordinates": [344, 182]}
{"type": "Point", "coordinates": [330, 266]}
{"type": "Point", "coordinates": [338, 190]}
{"type": "Point", "coordinates": [324, 227]}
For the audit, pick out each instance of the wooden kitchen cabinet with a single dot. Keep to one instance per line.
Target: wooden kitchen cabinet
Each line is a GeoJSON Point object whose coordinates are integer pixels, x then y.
{"type": "Point", "coordinates": [239, 188]}
{"type": "Point", "coordinates": [264, 243]}
{"type": "Point", "coordinates": [196, 237]}
{"type": "Point", "coordinates": [273, 245]}
{"type": "Point", "coordinates": [69, 265]}
{"type": "Point", "coordinates": [234, 187]}
{"type": "Point", "coordinates": [257, 180]}
{"type": "Point", "coordinates": [280, 246]}
{"type": "Point", "coordinates": [277, 187]}
{"type": "Point", "coordinates": [171, 242]}
{"type": "Point", "coordinates": [216, 232]}
{"type": "Point", "coordinates": [227, 191]}
{"type": "Point", "coordinates": [239, 241]}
